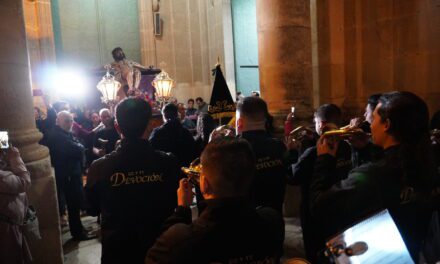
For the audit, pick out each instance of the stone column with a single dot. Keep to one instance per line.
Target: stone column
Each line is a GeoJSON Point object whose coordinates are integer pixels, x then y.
{"type": "Point", "coordinates": [284, 54]}
{"type": "Point", "coordinates": [16, 116]}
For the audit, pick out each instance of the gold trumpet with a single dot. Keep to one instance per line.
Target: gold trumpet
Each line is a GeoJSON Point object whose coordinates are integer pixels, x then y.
{"type": "Point", "coordinates": [193, 171]}
{"type": "Point", "coordinates": [300, 133]}
{"type": "Point", "coordinates": [345, 132]}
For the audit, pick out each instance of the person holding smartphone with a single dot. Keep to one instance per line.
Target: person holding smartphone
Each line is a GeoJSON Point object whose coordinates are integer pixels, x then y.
{"type": "Point", "coordinates": [14, 181]}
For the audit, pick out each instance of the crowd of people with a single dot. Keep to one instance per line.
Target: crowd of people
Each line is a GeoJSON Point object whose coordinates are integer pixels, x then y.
{"type": "Point", "coordinates": [145, 202]}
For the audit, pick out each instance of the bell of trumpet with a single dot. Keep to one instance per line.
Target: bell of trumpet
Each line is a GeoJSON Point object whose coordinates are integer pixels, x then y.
{"type": "Point", "coordinates": [301, 132]}
{"type": "Point", "coordinates": [345, 132]}
{"type": "Point", "coordinates": [193, 171]}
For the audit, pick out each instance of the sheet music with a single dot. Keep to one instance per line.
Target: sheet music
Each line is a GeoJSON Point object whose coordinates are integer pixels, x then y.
{"type": "Point", "coordinates": [385, 245]}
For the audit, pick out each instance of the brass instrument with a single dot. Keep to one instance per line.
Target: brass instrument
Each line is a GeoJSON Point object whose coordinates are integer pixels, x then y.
{"type": "Point", "coordinates": [300, 133]}
{"type": "Point", "coordinates": [193, 171]}
{"type": "Point", "coordinates": [345, 132]}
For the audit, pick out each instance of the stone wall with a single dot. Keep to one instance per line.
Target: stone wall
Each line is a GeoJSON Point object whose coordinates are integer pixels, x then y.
{"type": "Point", "coordinates": [86, 31]}
{"type": "Point", "coordinates": [195, 33]}
{"type": "Point", "coordinates": [40, 42]}
{"type": "Point", "coordinates": [371, 46]}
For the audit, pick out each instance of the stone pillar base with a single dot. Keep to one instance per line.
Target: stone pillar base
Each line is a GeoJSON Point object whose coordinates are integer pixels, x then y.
{"type": "Point", "coordinates": [42, 196]}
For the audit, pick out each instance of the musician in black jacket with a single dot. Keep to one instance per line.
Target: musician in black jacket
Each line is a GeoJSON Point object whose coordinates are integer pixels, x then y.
{"type": "Point", "coordinates": [229, 229]}
{"type": "Point", "coordinates": [269, 184]}
{"type": "Point", "coordinates": [326, 116]}
{"type": "Point", "coordinates": [401, 181]}
{"type": "Point", "coordinates": [134, 188]}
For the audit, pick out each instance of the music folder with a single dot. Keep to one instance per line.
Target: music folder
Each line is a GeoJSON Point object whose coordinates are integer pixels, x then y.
{"type": "Point", "coordinates": [373, 240]}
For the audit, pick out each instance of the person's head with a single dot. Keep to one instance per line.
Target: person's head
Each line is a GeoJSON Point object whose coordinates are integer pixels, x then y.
{"type": "Point", "coordinates": [106, 117]}
{"type": "Point", "coordinates": [118, 54]}
{"type": "Point", "coordinates": [228, 166]}
{"type": "Point", "coordinates": [61, 106]}
{"type": "Point", "coordinates": [87, 114]}
{"type": "Point", "coordinates": [251, 114]}
{"type": "Point", "coordinates": [95, 119]}
{"type": "Point", "coordinates": [199, 101]}
{"type": "Point", "coordinates": [399, 118]}
{"type": "Point", "coordinates": [65, 120]}
{"type": "Point", "coordinates": [327, 115]}
{"type": "Point", "coordinates": [170, 112]}
{"type": "Point", "coordinates": [181, 110]}
{"type": "Point", "coordinates": [132, 118]}
{"type": "Point", "coordinates": [255, 93]}
{"type": "Point", "coordinates": [372, 102]}
{"type": "Point", "coordinates": [190, 103]}
{"type": "Point", "coordinates": [77, 114]}
{"type": "Point", "coordinates": [37, 113]}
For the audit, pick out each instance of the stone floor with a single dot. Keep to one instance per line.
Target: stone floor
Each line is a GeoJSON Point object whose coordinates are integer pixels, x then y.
{"type": "Point", "coordinates": [89, 252]}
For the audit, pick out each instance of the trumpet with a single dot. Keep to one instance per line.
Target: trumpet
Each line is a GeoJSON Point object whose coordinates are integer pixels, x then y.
{"type": "Point", "coordinates": [300, 133]}
{"type": "Point", "coordinates": [345, 132]}
{"type": "Point", "coordinates": [193, 171]}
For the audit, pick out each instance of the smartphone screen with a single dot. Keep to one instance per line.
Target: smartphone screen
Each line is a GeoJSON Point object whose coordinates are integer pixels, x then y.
{"type": "Point", "coordinates": [293, 109]}
{"type": "Point", "coordinates": [4, 140]}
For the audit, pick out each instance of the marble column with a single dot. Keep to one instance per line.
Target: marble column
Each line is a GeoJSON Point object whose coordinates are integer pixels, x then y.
{"type": "Point", "coordinates": [284, 54]}
{"type": "Point", "coordinates": [16, 116]}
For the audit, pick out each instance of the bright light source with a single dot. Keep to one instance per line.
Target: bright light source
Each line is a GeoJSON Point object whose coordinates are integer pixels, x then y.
{"type": "Point", "coordinates": [69, 83]}
{"type": "Point", "coordinates": [163, 84]}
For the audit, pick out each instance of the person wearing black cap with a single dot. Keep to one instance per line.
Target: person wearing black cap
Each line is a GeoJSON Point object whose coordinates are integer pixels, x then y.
{"type": "Point", "coordinates": [134, 187]}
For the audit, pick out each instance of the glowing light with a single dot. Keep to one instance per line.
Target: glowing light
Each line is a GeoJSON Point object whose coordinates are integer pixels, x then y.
{"type": "Point", "coordinates": [109, 87]}
{"type": "Point", "coordinates": [163, 84]}
{"type": "Point", "coordinates": [70, 83]}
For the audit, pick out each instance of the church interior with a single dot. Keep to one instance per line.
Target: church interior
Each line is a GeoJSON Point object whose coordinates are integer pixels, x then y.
{"type": "Point", "coordinates": [294, 54]}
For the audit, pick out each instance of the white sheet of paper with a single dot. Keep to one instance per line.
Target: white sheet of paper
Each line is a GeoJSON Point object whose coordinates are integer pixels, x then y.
{"type": "Point", "coordinates": [385, 244]}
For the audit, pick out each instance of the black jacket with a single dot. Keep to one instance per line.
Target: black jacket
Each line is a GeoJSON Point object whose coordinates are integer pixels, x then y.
{"type": "Point", "coordinates": [109, 134]}
{"type": "Point", "coordinates": [66, 153]}
{"type": "Point", "coordinates": [269, 183]}
{"type": "Point", "coordinates": [368, 189]}
{"type": "Point", "coordinates": [134, 188]}
{"type": "Point", "coordinates": [302, 172]}
{"type": "Point", "coordinates": [370, 153]}
{"type": "Point", "coordinates": [227, 231]}
{"type": "Point", "coordinates": [173, 137]}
